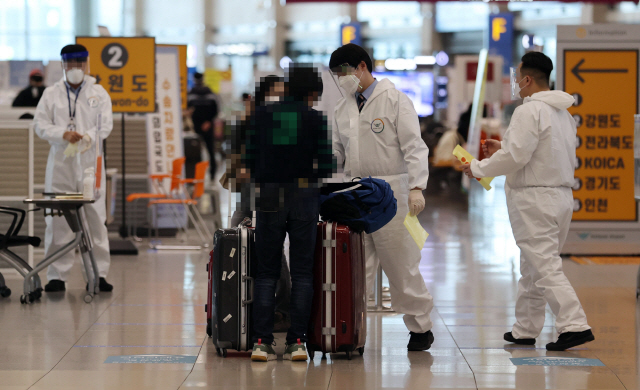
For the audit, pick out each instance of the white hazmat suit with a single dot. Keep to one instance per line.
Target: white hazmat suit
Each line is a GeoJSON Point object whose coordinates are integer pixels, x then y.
{"type": "Point", "coordinates": [538, 157]}
{"type": "Point", "coordinates": [383, 141]}
{"type": "Point", "coordinates": [66, 174]}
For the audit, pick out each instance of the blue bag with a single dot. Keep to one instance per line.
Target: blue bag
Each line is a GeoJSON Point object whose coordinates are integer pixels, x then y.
{"type": "Point", "coordinates": [365, 205]}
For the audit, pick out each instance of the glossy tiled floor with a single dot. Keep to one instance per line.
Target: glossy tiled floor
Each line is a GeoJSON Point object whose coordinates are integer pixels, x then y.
{"type": "Point", "coordinates": [470, 264]}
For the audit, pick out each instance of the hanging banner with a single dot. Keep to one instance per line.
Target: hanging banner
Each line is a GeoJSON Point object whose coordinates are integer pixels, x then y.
{"type": "Point", "coordinates": [164, 131]}
{"type": "Point", "coordinates": [182, 61]}
{"type": "Point", "coordinates": [350, 33]}
{"type": "Point", "coordinates": [501, 38]}
{"type": "Point", "coordinates": [126, 68]}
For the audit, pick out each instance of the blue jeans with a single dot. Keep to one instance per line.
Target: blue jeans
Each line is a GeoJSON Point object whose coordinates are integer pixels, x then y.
{"type": "Point", "coordinates": [300, 220]}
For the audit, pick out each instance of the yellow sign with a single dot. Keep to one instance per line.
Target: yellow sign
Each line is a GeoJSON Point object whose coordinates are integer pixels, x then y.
{"type": "Point", "coordinates": [126, 68]}
{"type": "Point", "coordinates": [348, 34]}
{"type": "Point", "coordinates": [498, 27]}
{"type": "Point", "coordinates": [213, 78]}
{"type": "Point", "coordinates": [182, 58]}
{"type": "Point", "coordinates": [605, 86]}
{"type": "Point", "coordinates": [465, 157]}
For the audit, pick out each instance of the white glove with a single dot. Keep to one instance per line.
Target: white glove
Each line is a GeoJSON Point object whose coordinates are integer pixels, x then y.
{"type": "Point", "coordinates": [71, 150]}
{"type": "Point", "coordinates": [83, 145]}
{"type": "Point", "coordinates": [416, 202]}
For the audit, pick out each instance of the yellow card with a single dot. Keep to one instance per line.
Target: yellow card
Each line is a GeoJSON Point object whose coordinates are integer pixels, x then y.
{"type": "Point", "coordinates": [416, 230]}
{"type": "Point", "coordinates": [465, 157]}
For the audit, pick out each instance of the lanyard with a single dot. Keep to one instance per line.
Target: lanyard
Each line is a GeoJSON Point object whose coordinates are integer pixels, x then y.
{"type": "Point", "coordinates": [75, 104]}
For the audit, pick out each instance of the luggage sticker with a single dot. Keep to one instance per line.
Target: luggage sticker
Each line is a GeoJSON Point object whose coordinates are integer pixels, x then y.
{"type": "Point", "coordinates": [231, 275]}
{"type": "Point", "coordinates": [224, 275]}
{"type": "Point", "coordinates": [233, 252]}
{"type": "Point", "coordinates": [226, 319]}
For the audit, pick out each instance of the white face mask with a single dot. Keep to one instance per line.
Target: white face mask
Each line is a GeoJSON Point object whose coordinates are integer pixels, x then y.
{"type": "Point", "coordinates": [349, 83]}
{"type": "Point", "coordinates": [75, 76]}
{"type": "Point", "coordinates": [272, 99]}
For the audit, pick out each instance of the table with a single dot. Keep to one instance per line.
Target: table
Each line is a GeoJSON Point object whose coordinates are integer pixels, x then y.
{"type": "Point", "coordinates": [71, 210]}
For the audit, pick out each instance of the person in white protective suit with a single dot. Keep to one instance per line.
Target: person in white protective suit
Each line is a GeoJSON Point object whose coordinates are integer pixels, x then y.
{"type": "Point", "coordinates": [67, 117]}
{"type": "Point", "coordinates": [376, 133]}
{"type": "Point", "coordinates": [538, 157]}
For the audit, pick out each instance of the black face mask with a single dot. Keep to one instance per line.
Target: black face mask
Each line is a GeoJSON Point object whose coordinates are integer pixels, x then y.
{"type": "Point", "coordinates": [37, 79]}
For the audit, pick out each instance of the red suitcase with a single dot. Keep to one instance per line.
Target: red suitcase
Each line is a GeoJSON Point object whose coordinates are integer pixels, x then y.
{"type": "Point", "coordinates": [339, 316]}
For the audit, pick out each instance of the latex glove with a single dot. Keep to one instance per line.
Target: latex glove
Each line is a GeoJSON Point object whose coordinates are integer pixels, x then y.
{"type": "Point", "coordinates": [71, 150]}
{"type": "Point", "coordinates": [85, 143]}
{"type": "Point", "coordinates": [416, 202]}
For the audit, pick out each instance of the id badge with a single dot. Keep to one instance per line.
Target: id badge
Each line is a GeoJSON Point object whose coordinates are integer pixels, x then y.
{"type": "Point", "coordinates": [71, 126]}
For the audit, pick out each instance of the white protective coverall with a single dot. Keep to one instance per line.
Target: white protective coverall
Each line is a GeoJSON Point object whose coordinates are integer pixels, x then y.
{"type": "Point", "coordinates": [538, 157]}
{"type": "Point", "coordinates": [65, 175]}
{"type": "Point", "coordinates": [383, 141]}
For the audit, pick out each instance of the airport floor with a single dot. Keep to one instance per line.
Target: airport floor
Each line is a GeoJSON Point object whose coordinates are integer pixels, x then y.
{"type": "Point", "coordinates": [470, 264]}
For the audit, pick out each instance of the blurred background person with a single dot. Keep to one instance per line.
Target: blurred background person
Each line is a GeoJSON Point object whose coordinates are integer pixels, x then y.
{"type": "Point", "coordinates": [30, 96]}
{"type": "Point", "coordinates": [204, 105]}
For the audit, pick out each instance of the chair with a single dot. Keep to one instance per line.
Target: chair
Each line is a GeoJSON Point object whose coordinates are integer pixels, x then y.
{"type": "Point", "coordinates": [12, 239]}
{"type": "Point", "coordinates": [161, 193]}
{"type": "Point", "coordinates": [190, 202]}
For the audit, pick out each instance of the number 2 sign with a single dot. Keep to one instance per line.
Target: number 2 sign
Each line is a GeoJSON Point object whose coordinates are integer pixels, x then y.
{"type": "Point", "coordinates": [126, 68]}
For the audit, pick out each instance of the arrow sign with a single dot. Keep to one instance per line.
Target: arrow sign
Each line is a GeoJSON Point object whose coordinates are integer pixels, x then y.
{"type": "Point", "coordinates": [576, 70]}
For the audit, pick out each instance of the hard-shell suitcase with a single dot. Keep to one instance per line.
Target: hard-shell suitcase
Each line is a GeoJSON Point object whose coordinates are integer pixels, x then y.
{"type": "Point", "coordinates": [339, 314]}
{"type": "Point", "coordinates": [231, 288]}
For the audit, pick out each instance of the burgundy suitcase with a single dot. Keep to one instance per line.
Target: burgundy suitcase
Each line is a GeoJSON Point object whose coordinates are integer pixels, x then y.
{"type": "Point", "coordinates": [339, 315]}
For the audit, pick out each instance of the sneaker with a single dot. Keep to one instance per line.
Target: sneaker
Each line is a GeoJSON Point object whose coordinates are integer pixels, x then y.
{"type": "Point", "coordinates": [103, 285]}
{"type": "Point", "coordinates": [54, 285]}
{"type": "Point", "coordinates": [571, 339]}
{"type": "Point", "coordinates": [263, 352]}
{"type": "Point", "coordinates": [509, 337]}
{"type": "Point", "coordinates": [420, 341]}
{"type": "Point", "coordinates": [296, 352]}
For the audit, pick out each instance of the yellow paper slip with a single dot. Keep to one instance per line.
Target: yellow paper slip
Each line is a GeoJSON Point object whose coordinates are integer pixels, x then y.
{"type": "Point", "coordinates": [416, 230]}
{"type": "Point", "coordinates": [465, 157]}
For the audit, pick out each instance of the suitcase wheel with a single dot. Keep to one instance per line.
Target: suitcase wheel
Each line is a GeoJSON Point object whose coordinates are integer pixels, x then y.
{"type": "Point", "coordinates": [312, 354]}
{"type": "Point", "coordinates": [349, 354]}
{"type": "Point", "coordinates": [218, 351]}
{"type": "Point", "coordinates": [361, 351]}
{"type": "Point", "coordinates": [224, 352]}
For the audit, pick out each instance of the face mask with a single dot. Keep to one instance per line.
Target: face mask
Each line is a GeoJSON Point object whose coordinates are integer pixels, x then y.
{"type": "Point", "coordinates": [515, 85]}
{"type": "Point", "coordinates": [75, 76]}
{"type": "Point", "coordinates": [272, 99]}
{"type": "Point", "coordinates": [349, 83]}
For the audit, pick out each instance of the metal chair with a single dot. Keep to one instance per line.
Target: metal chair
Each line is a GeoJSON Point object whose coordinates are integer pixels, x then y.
{"type": "Point", "coordinates": [12, 239]}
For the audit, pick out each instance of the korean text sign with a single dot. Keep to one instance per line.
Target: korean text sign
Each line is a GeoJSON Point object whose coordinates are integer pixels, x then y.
{"type": "Point", "coordinates": [126, 68]}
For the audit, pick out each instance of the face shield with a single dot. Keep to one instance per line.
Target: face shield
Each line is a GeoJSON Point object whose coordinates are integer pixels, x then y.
{"type": "Point", "coordinates": [345, 76]}
{"type": "Point", "coordinates": [515, 84]}
{"type": "Point", "coordinates": [75, 66]}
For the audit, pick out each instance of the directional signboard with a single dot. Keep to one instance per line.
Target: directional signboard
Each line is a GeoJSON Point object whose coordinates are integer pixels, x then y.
{"type": "Point", "coordinates": [126, 68]}
{"type": "Point", "coordinates": [598, 64]}
{"type": "Point", "coordinates": [182, 59]}
{"type": "Point", "coordinates": [605, 86]}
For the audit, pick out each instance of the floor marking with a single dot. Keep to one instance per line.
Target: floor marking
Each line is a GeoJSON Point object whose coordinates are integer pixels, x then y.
{"type": "Point", "coordinates": [153, 358]}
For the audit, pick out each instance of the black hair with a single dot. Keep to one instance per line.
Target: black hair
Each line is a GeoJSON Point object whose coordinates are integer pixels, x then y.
{"type": "Point", "coordinates": [538, 66]}
{"type": "Point", "coordinates": [351, 54]}
{"type": "Point", "coordinates": [263, 88]}
{"type": "Point", "coordinates": [198, 76]}
{"type": "Point", "coordinates": [75, 48]}
{"type": "Point", "coordinates": [302, 81]}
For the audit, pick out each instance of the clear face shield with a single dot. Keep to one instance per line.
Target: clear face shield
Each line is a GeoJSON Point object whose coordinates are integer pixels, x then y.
{"type": "Point", "coordinates": [75, 66]}
{"type": "Point", "coordinates": [345, 76]}
{"type": "Point", "coordinates": [515, 83]}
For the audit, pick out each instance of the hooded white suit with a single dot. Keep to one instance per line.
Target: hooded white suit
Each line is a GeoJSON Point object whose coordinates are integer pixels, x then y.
{"type": "Point", "coordinates": [383, 141]}
{"type": "Point", "coordinates": [538, 157]}
{"type": "Point", "coordinates": [65, 175]}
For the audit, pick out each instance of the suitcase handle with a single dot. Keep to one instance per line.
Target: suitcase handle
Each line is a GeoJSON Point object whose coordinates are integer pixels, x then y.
{"type": "Point", "coordinates": [249, 281]}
